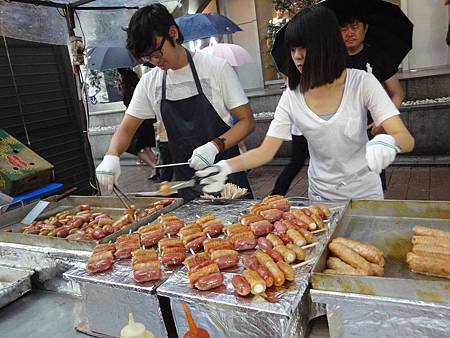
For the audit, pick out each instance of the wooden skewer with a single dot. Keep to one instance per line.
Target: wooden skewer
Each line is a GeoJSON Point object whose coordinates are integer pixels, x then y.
{"type": "Point", "coordinates": [309, 245]}
{"type": "Point", "coordinates": [303, 263]}
{"type": "Point", "coordinates": [207, 235]}
{"type": "Point", "coordinates": [317, 231]}
{"type": "Point", "coordinates": [192, 251]}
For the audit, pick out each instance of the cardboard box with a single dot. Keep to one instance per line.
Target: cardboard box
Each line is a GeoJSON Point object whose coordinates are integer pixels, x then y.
{"type": "Point", "coordinates": [21, 169]}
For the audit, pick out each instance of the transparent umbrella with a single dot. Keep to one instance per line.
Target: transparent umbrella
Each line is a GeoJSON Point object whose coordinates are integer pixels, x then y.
{"type": "Point", "coordinates": [234, 54]}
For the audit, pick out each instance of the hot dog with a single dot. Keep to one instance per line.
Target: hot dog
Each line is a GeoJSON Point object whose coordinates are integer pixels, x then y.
{"type": "Point", "coordinates": [277, 202]}
{"type": "Point", "coordinates": [274, 239]}
{"type": "Point", "coordinates": [424, 231]}
{"type": "Point", "coordinates": [210, 281]}
{"type": "Point", "coordinates": [289, 273]}
{"type": "Point", "coordinates": [241, 286]}
{"type": "Point", "coordinates": [251, 263]}
{"type": "Point", "coordinates": [257, 284]}
{"type": "Point", "coordinates": [236, 228]}
{"type": "Point", "coordinates": [152, 237]}
{"type": "Point", "coordinates": [369, 252]}
{"type": "Point", "coordinates": [264, 244]}
{"type": "Point", "coordinates": [301, 216]}
{"type": "Point", "coordinates": [351, 257]}
{"type": "Point", "coordinates": [338, 265]}
{"type": "Point", "coordinates": [271, 215]}
{"type": "Point", "coordinates": [243, 240]}
{"type": "Point", "coordinates": [428, 265]}
{"type": "Point", "coordinates": [104, 247]}
{"type": "Point", "coordinates": [196, 244]}
{"type": "Point", "coordinates": [288, 255]}
{"type": "Point", "coordinates": [172, 227]}
{"type": "Point", "coordinates": [151, 227]}
{"type": "Point", "coordinates": [261, 228]}
{"type": "Point", "coordinates": [285, 238]}
{"type": "Point", "coordinates": [316, 211]}
{"type": "Point", "coordinates": [206, 270]}
{"type": "Point", "coordinates": [429, 240]}
{"type": "Point", "coordinates": [128, 237]}
{"type": "Point", "coordinates": [326, 211]}
{"type": "Point", "coordinates": [249, 218]}
{"type": "Point", "coordinates": [169, 242]}
{"type": "Point", "coordinates": [193, 260]}
{"type": "Point", "coordinates": [267, 262]}
{"type": "Point", "coordinates": [299, 252]}
{"type": "Point", "coordinates": [225, 258]}
{"type": "Point", "coordinates": [297, 237]}
{"type": "Point", "coordinates": [205, 218]}
{"type": "Point", "coordinates": [213, 230]}
{"type": "Point", "coordinates": [99, 262]}
{"type": "Point", "coordinates": [279, 228]}
{"type": "Point", "coordinates": [141, 255]}
{"type": "Point", "coordinates": [212, 244]}
{"type": "Point", "coordinates": [189, 230]}
{"type": "Point", "coordinates": [146, 272]}
{"type": "Point", "coordinates": [275, 255]}
{"type": "Point", "coordinates": [305, 233]}
{"type": "Point", "coordinates": [432, 251]}
{"type": "Point", "coordinates": [294, 220]}
{"type": "Point", "coordinates": [173, 258]}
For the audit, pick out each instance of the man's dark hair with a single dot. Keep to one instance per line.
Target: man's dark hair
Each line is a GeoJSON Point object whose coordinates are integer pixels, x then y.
{"type": "Point", "coordinates": [350, 11]}
{"type": "Point", "coordinates": [145, 25]}
{"type": "Point", "coordinates": [316, 29]}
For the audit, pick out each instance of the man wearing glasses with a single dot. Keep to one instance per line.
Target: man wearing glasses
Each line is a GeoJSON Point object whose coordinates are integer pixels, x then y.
{"type": "Point", "coordinates": [194, 95]}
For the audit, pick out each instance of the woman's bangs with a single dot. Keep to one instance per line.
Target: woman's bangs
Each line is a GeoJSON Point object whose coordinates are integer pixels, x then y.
{"type": "Point", "coordinates": [294, 37]}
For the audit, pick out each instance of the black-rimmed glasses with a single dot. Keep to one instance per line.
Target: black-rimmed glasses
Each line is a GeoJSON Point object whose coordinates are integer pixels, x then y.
{"type": "Point", "coordinates": [156, 53]}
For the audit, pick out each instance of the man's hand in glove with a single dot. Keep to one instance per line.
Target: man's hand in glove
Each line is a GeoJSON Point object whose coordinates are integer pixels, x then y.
{"type": "Point", "coordinates": [108, 172]}
{"type": "Point", "coordinates": [380, 152]}
{"type": "Point", "coordinates": [214, 178]}
{"type": "Point", "coordinates": [203, 156]}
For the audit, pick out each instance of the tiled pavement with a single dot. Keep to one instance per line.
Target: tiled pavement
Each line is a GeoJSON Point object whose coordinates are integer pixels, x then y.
{"type": "Point", "coordinates": [404, 182]}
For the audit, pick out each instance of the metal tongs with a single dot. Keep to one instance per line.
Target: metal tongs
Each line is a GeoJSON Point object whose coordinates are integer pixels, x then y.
{"type": "Point", "coordinates": [123, 197]}
{"type": "Point", "coordinates": [169, 188]}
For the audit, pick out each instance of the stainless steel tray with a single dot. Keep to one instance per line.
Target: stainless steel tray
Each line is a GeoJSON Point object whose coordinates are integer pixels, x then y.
{"type": "Point", "coordinates": [388, 225]}
{"type": "Point", "coordinates": [13, 284]}
{"type": "Point", "coordinates": [108, 204]}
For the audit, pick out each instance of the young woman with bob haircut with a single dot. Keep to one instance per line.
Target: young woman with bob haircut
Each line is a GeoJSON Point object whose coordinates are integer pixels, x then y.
{"type": "Point", "coordinates": [328, 104]}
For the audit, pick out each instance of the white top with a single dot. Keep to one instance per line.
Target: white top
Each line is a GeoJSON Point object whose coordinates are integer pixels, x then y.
{"type": "Point", "coordinates": [218, 79]}
{"type": "Point", "coordinates": [337, 147]}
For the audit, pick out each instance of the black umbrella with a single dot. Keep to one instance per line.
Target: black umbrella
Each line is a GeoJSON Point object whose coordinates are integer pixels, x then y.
{"type": "Point", "coordinates": [390, 30]}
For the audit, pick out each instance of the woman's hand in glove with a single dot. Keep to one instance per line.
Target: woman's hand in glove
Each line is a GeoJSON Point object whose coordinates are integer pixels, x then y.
{"type": "Point", "coordinates": [213, 178]}
{"type": "Point", "coordinates": [380, 152]}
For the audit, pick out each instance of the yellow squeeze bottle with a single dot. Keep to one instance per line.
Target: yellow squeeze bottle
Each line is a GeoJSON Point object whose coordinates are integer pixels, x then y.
{"type": "Point", "coordinates": [135, 330]}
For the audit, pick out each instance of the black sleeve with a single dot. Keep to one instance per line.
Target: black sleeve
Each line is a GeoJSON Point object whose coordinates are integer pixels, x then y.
{"type": "Point", "coordinates": [127, 96]}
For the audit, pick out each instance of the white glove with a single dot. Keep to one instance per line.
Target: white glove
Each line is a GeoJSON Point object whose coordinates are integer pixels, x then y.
{"type": "Point", "coordinates": [108, 172]}
{"type": "Point", "coordinates": [216, 177]}
{"type": "Point", "coordinates": [380, 152]}
{"type": "Point", "coordinates": [203, 156]}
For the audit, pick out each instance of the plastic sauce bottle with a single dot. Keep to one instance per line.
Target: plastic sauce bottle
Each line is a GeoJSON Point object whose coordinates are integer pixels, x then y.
{"type": "Point", "coordinates": [135, 330]}
{"type": "Point", "coordinates": [194, 331]}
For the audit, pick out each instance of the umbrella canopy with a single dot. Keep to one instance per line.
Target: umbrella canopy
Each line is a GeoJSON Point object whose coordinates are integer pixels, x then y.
{"type": "Point", "coordinates": [234, 54]}
{"type": "Point", "coordinates": [205, 25]}
{"type": "Point", "coordinates": [103, 58]}
{"type": "Point", "coordinates": [390, 30]}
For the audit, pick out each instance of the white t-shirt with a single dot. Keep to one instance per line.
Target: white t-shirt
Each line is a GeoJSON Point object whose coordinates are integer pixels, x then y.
{"type": "Point", "coordinates": [337, 146]}
{"type": "Point", "coordinates": [218, 79]}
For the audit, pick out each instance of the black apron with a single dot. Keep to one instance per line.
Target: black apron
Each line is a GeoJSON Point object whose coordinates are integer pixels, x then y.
{"type": "Point", "coordinates": [190, 123]}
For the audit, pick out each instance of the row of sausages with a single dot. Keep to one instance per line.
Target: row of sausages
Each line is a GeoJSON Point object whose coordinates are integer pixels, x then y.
{"type": "Point", "coordinates": [430, 253]}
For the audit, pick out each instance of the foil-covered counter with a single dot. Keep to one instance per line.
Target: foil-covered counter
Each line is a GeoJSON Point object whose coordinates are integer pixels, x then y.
{"type": "Point", "coordinates": [400, 304]}
{"type": "Point", "coordinates": [354, 315]}
{"type": "Point", "coordinates": [13, 284]}
{"type": "Point", "coordinates": [109, 296]}
{"type": "Point", "coordinates": [283, 313]}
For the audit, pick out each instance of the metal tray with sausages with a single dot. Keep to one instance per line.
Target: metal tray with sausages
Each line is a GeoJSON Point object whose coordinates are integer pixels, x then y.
{"type": "Point", "coordinates": [388, 225]}
{"type": "Point", "coordinates": [10, 223]}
